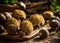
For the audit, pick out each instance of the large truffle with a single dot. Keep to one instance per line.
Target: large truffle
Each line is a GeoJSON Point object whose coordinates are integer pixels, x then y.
{"type": "Point", "coordinates": [48, 14]}
{"type": "Point", "coordinates": [12, 21]}
{"type": "Point", "coordinates": [27, 26]}
{"type": "Point", "coordinates": [37, 19]}
{"type": "Point", "coordinates": [19, 14]}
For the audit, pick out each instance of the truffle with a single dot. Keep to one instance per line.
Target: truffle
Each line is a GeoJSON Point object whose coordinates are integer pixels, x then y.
{"type": "Point", "coordinates": [37, 19]}
{"type": "Point", "coordinates": [27, 26]}
{"type": "Point", "coordinates": [19, 14]}
{"type": "Point", "coordinates": [12, 21]}
{"type": "Point", "coordinates": [47, 15]}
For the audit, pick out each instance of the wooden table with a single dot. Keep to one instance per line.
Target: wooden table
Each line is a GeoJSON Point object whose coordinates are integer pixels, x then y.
{"type": "Point", "coordinates": [34, 40]}
{"type": "Point", "coordinates": [50, 39]}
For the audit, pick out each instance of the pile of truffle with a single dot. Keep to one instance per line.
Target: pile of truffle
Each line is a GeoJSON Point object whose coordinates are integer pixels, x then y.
{"type": "Point", "coordinates": [17, 23]}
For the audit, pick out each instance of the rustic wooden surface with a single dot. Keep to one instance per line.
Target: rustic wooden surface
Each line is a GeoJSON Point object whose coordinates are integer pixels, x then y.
{"type": "Point", "coordinates": [7, 7]}
{"type": "Point", "coordinates": [50, 39]}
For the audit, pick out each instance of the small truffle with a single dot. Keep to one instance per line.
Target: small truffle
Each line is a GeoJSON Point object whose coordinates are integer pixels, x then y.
{"type": "Point", "coordinates": [47, 15]}
{"type": "Point", "coordinates": [27, 26]}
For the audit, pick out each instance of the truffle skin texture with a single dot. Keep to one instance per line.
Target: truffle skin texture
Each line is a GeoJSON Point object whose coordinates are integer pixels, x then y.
{"type": "Point", "coordinates": [48, 14]}
{"type": "Point", "coordinates": [27, 26]}
{"type": "Point", "coordinates": [12, 21]}
{"type": "Point", "coordinates": [19, 14]}
{"type": "Point", "coordinates": [37, 19]}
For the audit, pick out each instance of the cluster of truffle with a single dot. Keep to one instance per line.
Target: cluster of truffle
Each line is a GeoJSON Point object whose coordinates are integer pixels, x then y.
{"type": "Point", "coordinates": [17, 23]}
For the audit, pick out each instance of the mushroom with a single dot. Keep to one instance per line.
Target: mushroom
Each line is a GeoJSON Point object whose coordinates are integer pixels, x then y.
{"type": "Point", "coordinates": [47, 15]}
{"type": "Point", "coordinates": [26, 26]}
{"type": "Point", "coordinates": [2, 19]}
{"type": "Point", "coordinates": [21, 5]}
{"type": "Point", "coordinates": [54, 22]}
{"type": "Point", "coordinates": [19, 14]}
{"type": "Point", "coordinates": [12, 29]}
{"type": "Point", "coordinates": [37, 19]}
{"type": "Point", "coordinates": [1, 29]}
{"type": "Point", "coordinates": [44, 33]}
{"type": "Point", "coordinates": [21, 33]}
{"type": "Point", "coordinates": [8, 15]}
{"type": "Point", "coordinates": [55, 18]}
{"type": "Point", "coordinates": [57, 13]}
{"type": "Point", "coordinates": [12, 21]}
